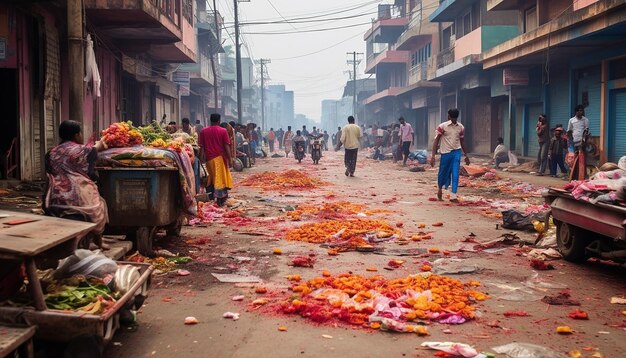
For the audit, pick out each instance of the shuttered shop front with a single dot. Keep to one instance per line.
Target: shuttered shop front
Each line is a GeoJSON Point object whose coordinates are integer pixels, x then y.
{"type": "Point", "coordinates": [617, 126]}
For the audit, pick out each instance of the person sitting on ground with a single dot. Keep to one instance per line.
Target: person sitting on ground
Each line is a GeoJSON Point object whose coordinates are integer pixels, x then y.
{"type": "Point", "coordinates": [500, 154]}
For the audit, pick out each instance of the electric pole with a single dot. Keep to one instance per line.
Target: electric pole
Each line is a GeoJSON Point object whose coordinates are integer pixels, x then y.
{"type": "Point", "coordinates": [238, 60]}
{"type": "Point", "coordinates": [354, 62]}
{"type": "Point", "coordinates": [263, 63]}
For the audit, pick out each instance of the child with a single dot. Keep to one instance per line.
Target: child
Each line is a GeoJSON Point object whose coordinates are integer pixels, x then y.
{"type": "Point", "coordinates": [556, 151]}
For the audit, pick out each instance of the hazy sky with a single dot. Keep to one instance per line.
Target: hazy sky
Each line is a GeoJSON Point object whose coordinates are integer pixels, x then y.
{"type": "Point", "coordinates": [312, 77]}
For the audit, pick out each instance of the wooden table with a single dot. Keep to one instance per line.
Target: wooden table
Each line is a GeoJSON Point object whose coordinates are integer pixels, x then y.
{"type": "Point", "coordinates": [15, 337]}
{"type": "Point", "coordinates": [26, 240]}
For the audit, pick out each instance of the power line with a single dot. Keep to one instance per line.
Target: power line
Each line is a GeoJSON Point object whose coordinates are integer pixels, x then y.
{"type": "Point", "coordinates": [318, 51]}
{"type": "Point", "coordinates": [308, 31]}
{"type": "Point", "coordinates": [281, 15]}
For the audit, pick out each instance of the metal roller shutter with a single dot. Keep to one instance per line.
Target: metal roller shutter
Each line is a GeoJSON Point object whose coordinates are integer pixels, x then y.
{"type": "Point", "coordinates": [617, 144]}
{"type": "Point", "coordinates": [560, 111]}
{"type": "Point", "coordinates": [591, 85]}
{"type": "Point", "coordinates": [530, 137]}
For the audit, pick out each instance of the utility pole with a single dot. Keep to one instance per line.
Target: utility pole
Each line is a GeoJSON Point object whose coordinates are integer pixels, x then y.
{"type": "Point", "coordinates": [263, 63]}
{"type": "Point", "coordinates": [354, 62]}
{"type": "Point", "coordinates": [75, 23]}
{"type": "Point", "coordinates": [238, 59]}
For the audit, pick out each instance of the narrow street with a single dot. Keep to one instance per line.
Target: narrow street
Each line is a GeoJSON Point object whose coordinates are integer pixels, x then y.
{"type": "Point", "coordinates": [254, 244]}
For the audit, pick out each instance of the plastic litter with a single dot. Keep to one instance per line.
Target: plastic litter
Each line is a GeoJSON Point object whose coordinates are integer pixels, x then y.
{"type": "Point", "coordinates": [125, 278]}
{"type": "Point", "coordinates": [231, 315]}
{"type": "Point", "coordinates": [238, 298]}
{"type": "Point", "coordinates": [618, 300]}
{"type": "Point", "coordinates": [235, 278]}
{"type": "Point", "coordinates": [86, 263]}
{"type": "Point", "coordinates": [512, 292]}
{"type": "Point", "coordinates": [191, 320]}
{"type": "Point", "coordinates": [527, 350]}
{"type": "Point", "coordinates": [456, 349]}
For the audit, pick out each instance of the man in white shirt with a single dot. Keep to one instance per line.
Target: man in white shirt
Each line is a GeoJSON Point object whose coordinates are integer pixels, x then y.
{"type": "Point", "coordinates": [449, 138]}
{"type": "Point", "coordinates": [578, 131]}
{"type": "Point", "coordinates": [577, 125]}
{"type": "Point", "coordinates": [406, 136]}
{"type": "Point", "coordinates": [350, 138]}
{"type": "Point", "coordinates": [500, 154]}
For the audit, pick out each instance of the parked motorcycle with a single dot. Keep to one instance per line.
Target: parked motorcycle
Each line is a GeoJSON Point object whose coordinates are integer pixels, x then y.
{"type": "Point", "coordinates": [316, 148]}
{"type": "Point", "coordinates": [298, 151]}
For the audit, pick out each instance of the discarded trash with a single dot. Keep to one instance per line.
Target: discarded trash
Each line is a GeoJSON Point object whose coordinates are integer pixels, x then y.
{"type": "Point", "coordinates": [327, 336]}
{"type": "Point", "coordinates": [395, 263]}
{"type": "Point", "coordinates": [455, 349]}
{"type": "Point", "coordinates": [231, 315]}
{"type": "Point", "coordinates": [282, 328]}
{"type": "Point", "coordinates": [234, 278]}
{"type": "Point", "coordinates": [527, 350]}
{"type": "Point", "coordinates": [453, 319]}
{"type": "Point", "coordinates": [371, 269]}
{"type": "Point", "coordinates": [564, 330]}
{"type": "Point", "coordinates": [294, 278]}
{"type": "Point", "coordinates": [183, 273]}
{"type": "Point", "coordinates": [578, 314]}
{"type": "Point", "coordinates": [303, 261]}
{"type": "Point", "coordinates": [535, 282]}
{"type": "Point", "coordinates": [540, 265]}
{"type": "Point", "coordinates": [164, 253]}
{"type": "Point", "coordinates": [277, 251]}
{"type": "Point", "coordinates": [544, 254]}
{"type": "Point", "coordinates": [512, 292]}
{"type": "Point", "coordinates": [260, 290]}
{"type": "Point", "coordinates": [512, 219]}
{"type": "Point", "coordinates": [238, 298]}
{"type": "Point", "coordinates": [519, 313]}
{"type": "Point", "coordinates": [618, 300]}
{"type": "Point", "coordinates": [456, 270]}
{"type": "Point", "coordinates": [562, 299]}
{"type": "Point", "coordinates": [191, 321]}
{"type": "Point", "coordinates": [438, 224]}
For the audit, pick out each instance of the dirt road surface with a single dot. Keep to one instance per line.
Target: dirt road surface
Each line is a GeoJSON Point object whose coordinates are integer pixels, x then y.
{"type": "Point", "coordinates": [245, 246]}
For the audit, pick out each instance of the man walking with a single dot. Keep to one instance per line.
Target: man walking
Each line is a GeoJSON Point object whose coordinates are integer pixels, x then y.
{"type": "Point", "coordinates": [215, 147]}
{"type": "Point", "coordinates": [543, 137]}
{"type": "Point", "coordinates": [449, 138]}
{"type": "Point", "coordinates": [271, 136]}
{"type": "Point", "coordinates": [578, 131]}
{"type": "Point", "coordinates": [198, 127]}
{"type": "Point", "coordinates": [406, 134]}
{"type": "Point", "coordinates": [279, 137]}
{"type": "Point", "coordinates": [350, 138]}
{"type": "Point", "coordinates": [305, 134]}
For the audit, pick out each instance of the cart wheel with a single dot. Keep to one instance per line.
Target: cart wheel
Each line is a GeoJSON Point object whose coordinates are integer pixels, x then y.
{"type": "Point", "coordinates": [571, 242]}
{"type": "Point", "coordinates": [144, 240]}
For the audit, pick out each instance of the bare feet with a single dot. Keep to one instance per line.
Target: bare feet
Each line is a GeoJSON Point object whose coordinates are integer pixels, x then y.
{"type": "Point", "coordinates": [439, 195]}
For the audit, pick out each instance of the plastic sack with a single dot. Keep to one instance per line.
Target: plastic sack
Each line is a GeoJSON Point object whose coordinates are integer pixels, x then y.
{"type": "Point", "coordinates": [512, 219]}
{"type": "Point", "coordinates": [420, 155]}
{"type": "Point", "coordinates": [527, 350]}
{"type": "Point", "coordinates": [86, 263]}
{"type": "Point", "coordinates": [513, 159]}
{"type": "Point", "coordinates": [125, 277]}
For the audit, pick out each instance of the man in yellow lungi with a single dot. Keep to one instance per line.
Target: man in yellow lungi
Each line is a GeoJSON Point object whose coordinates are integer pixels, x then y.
{"type": "Point", "coordinates": [215, 146]}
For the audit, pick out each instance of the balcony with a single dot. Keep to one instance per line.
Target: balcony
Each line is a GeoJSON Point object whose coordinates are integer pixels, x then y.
{"type": "Point", "coordinates": [500, 5]}
{"type": "Point", "coordinates": [389, 92]}
{"type": "Point", "coordinates": [449, 10]}
{"type": "Point", "coordinates": [209, 29]}
{"type": "Point", "coordinates": [200, 72]}
{"type": "Point", "coordinates": [388, 26]}
{"type": "Point", "coordinates": [153, 27]}
{"type": "Point", "coordinates": [387, 57]}
{"type": "Point", "coordinates": [418, 73]}
{"type": "Point", "coordinates": [596, 27]}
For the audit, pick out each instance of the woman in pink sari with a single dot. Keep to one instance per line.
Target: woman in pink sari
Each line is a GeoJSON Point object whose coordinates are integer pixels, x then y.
{"type": "Point", "coordinates": [72, 191]}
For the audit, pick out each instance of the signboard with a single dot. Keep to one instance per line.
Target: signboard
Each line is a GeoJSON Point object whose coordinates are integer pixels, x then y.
{"type": "Point", "coordinates": [183, 80]}
{"type": "Point", "coordinates": [515, 77]}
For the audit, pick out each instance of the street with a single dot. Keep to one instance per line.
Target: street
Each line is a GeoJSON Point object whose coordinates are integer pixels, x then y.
{"type": "Point", "coordinates": [253, 243]}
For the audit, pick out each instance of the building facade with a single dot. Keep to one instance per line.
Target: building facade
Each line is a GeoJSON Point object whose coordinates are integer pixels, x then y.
{"type": "Point", "coordinates": [279, 107]}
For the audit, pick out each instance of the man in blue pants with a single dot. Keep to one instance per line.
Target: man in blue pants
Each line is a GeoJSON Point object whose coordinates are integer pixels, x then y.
{"type": "Point", "coordinates": [449, 138]}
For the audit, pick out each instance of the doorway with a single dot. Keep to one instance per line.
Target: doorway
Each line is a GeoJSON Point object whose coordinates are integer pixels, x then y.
{"type": "Point", "coordinates": [9, 136]}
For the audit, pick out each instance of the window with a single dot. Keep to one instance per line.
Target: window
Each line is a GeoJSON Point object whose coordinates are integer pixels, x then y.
{"type": "Point", "coordinates": [447, 33]}
{"type": "Point", "coordinates": [414, 58]}
{"type": "Point", "coordinates": [530, 19]}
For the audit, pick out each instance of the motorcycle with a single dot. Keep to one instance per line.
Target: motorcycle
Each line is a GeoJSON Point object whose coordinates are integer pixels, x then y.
{"type": "Point", "coordinates": [316, 148]}
{"type": "Point", "coordinates": [298, 151]}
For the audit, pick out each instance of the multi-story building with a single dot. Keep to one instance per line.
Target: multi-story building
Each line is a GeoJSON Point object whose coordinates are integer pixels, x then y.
{"type": "Point", "coordinates": [229, 88]}
{"type": "Point", "coordinates": [201, 79]}
{"type": "Point", "coordinates": [250, 95]}
{"type": "Point", "coordinates": [135, 43]}
{"type": "Point", "coordinates": [399, 45]}
{"type": "Point", "coordinates": [568, 52]}
{"type": "Point", "coordinates": [279, 107]}
{"type": "Point", "coordinates": [329, 119]}
{"type": "Point", "coordinates": [466, 30]}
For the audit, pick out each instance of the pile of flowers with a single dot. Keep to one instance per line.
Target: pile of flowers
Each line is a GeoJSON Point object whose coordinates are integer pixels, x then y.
{"type": "Point", "coordinates": [380, 303]}
{"type": "Point", "coordinates": [121, 134]}
{"type": "Point", "coordinates": [345, 234]}
{"type": "Point", "coordinates": [209, 212]}
{"type": "Point", "coordinates": [338, 210]}
{"type": "Point", "coordinates": [290, 179]}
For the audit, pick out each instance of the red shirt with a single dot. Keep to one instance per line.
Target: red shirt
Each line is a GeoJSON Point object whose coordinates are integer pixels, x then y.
{"type": "Point", "coordinates": [213, 140]}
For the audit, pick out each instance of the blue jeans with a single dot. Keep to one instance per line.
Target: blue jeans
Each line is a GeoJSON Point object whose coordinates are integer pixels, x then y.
{"type": "Point", "coordinates": [449, 170]}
